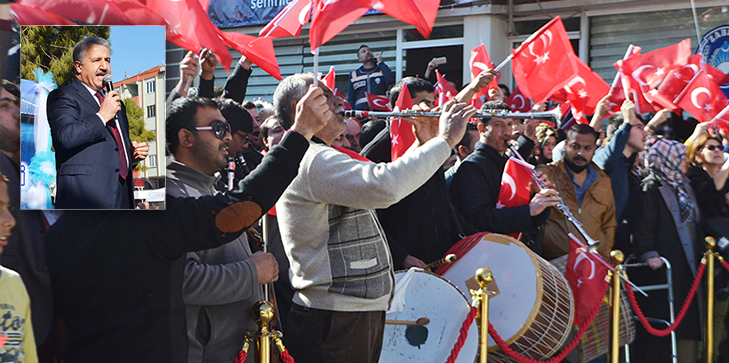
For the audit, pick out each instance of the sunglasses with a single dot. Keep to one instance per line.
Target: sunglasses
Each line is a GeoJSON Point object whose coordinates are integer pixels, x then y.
{"type": "Point", "coordinates": [712, 147]}
{"type": "Point", "coordinates": [221, 128]}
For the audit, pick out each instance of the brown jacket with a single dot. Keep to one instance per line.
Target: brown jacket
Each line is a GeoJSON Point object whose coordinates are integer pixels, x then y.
{"type": "Point", "coordinates": [597, 213]}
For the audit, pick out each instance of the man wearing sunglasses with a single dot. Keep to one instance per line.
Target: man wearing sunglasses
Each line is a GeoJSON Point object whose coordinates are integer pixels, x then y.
{"type": "Point", "coordinates": [90, 132]}
{"type": "Point", "coordinates": [117, 276]}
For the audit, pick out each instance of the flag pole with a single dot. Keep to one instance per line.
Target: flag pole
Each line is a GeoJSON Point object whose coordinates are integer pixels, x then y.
{"type": "Point", "coordinates": [286, 13]}
{"type": "Point", "coordinates": [720, 115]}
{"type": "Point", "coordinates": [316, 67]}
{"type": "Point", "coordinates": [504, 62]}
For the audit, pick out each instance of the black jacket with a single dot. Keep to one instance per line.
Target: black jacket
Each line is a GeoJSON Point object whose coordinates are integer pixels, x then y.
{"type": "Point", "coordinates": [475, 190]}
{"type": "Point", "coordinates": [654, 232]}
{"type": "Point", "coordinates": [116, 276]}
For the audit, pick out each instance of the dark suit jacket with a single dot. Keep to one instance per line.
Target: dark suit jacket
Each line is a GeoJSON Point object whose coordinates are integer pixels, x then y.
{"type": "Point", "coordinates": [87, 157]}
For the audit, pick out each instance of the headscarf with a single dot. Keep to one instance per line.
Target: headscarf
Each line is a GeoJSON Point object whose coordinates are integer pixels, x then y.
{"type": "Point", "coordinates": [664, 160]}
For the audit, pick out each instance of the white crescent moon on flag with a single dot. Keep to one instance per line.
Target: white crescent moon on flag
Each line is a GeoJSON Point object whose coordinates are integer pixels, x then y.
{"type": "Point", "coordinates": [575, 81]}
{"type": "Point", "coordinates": [379, 102]}
{"type": "Point", "coordinates": [580, 257]}
{"type": "Point", "coordinates": [693, 67]}
{"type": "Point", "coordinates": [636, 74]}
{"type": "Point", "coordinates": [481, 66]}
{"type": "Point", "coordinates": [304, 13]}
{"type": "Point", "coordinates": [695, 95]}
{"type": "Point", "coordinates": [523, 102]}
{"type": "Point", "coordinates": [509, 180]}
{"type": "Point", "coordinates": [548, 33]}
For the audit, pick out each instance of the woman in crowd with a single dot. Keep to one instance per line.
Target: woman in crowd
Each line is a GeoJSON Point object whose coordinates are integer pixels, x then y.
{"type": "Point", "coordinates": [663, 222]}
{"type": "Point", "coordinates": [546, 141]}
{"type": "Point", "coordinates": [708, 175]}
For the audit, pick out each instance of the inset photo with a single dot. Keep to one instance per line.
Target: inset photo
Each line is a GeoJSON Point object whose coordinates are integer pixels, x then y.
{"type": "Point", "coordinates": [92, 117]}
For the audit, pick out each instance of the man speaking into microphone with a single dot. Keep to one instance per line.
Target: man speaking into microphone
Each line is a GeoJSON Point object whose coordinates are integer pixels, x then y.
{"type": "Point", "coordinates": [90, 133]}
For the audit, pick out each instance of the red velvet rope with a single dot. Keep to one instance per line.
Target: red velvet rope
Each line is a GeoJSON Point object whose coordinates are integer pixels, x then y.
{"type": "Point", "coordinates": [681, 314]}
{"type": "Point", "coordinates": [725, 264]}
{"type": "Point", "coordinates": [562, 354]}
{"type": "Point", "coordinates": [241, 357]}
{"type": "Point", "coordinates": [462, 336]}
{"type": "Point", "coordinates": [286, 357]}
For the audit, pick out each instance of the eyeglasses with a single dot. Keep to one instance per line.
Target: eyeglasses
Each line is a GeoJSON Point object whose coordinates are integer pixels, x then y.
{"type": "Point", "coordinates": [712, 147]}
{"type": "Point", "coordinates": [221, 128]}
{"type": "Point", "coordinates": [243, 136]}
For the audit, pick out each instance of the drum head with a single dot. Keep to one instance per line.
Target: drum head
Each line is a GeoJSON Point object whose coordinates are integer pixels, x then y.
{"type": "Point", "coordinates": [428, 295]}
{"type": "Point", "coordinates": [517, 276]}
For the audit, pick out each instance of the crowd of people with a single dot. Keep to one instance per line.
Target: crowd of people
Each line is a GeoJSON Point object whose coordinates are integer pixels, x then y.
{"type": "Point", "coordinates": [339, 216]}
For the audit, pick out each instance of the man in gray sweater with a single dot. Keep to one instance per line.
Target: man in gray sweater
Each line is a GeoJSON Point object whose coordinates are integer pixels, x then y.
{"type": "Point", "coordinates": [340, 263]}
{"type": "Point", "coordinates": [222, 284]}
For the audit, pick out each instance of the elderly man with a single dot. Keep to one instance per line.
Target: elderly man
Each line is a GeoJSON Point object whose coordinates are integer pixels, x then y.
{"type": "Point", "coordinates": [90, 131]}
{"type": "Point", "coordinates": [341, 267]}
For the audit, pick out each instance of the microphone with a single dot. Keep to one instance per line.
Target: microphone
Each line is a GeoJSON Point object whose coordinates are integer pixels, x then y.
{"type": "Point", "coordinates": [108, 86]}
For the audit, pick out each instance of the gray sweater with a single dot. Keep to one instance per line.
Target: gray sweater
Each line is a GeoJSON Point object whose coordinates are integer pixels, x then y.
{"type": "Point", "coordinates": [220, 284]}
{"type": "Point", "coordinates": [338, 253]}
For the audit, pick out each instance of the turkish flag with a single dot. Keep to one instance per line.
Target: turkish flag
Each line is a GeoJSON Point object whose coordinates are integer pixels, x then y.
{"type": "Point", "coordinates": [678, 78]}
{"type": "Point", "coordinates": [586, 277]}
{"type": "Point", "coordinates": [572, 118]}
{"type": "Point", "coordinates": [420, 13]}
{"type": "Point", "coordinates": [346, 106]}
{"type": "Point", "coordinates": [330, 17]}
{"type": "Point", "coordinates": [28, 15]}
{"type": "Point", "coordinates": [258, 50]}
{"type": "Point", "coordinates": [649, 69]}
{"type": "Point", "coordinates": [90, 12]}
{"type": "Point", "coordinates": [139, 13]}
{"type": "Point", "coordinates": [444, 91]}
{"type": "Point", "coordinates": [478, 63]}
{"type": "Point", "coordinates": [378, 103]}
{"type": "Point", "coordinates": [401, 131]}
{"type": "Point", "coordinates": [289, 21]}
{"type": "Point", "coordinates": [518, 102]}
{"type": "Point", "coordinates": [702, 98]}
{"type": "Point", "coordinates": [330, 79]}
{"type": "Point", "coordinates": [544, 63]}
{"type": "Point", "coordinates": [617, 94]}
{"type": "Point", "coordinates": [515, 184]}
{"type": "Point", "coordinates": [643, 72]}
{"type": "Point", "coordinates": [583, 91]}
{"type": "Point", "coordinates": [189, 27]}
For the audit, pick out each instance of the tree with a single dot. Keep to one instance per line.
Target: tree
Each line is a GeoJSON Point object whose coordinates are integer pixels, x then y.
{"type": "Point", "coordinates": [137, 132]}
{"type": "Point", "coordinates": [50, 48]}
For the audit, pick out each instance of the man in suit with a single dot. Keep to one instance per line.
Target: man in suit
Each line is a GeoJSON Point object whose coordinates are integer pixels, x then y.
{"type": "Point", "coordinates": [90, 132]}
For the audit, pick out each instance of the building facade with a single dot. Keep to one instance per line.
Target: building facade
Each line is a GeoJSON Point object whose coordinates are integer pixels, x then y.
{"type": "Point", "coordinates": [600, 32]}
{"type": "Point", "coordinates": [146, 89]}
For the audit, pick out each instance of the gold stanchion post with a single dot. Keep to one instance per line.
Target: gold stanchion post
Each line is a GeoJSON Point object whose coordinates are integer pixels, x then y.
{"type": "Point", "coordinates": [709, 333]}
{"type": "Point", "coordinates": [480, 300]}
{"type": "Point", "coordinates": [263, 314]}
{"type": "Point", "coordinates": [617, 258]}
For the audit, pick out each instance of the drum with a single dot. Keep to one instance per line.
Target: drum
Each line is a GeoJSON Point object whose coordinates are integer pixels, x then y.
{"type": "Point", "coordinates": [596, 340]}
{"type": "Point", "coordinates": [533, 308]}
{"type": "Point", "coordinates": [427, 295]}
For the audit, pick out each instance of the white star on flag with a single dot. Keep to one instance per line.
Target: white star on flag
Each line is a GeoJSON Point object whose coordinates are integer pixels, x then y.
{"type": "Point", "coordinates": [499, 205]}
{"type": "Point", "coordinates": [394, 140]}
{"type": "Point", "coordinates": [708, 107]}
{"type": "Point", "coordinates": [660, 72]}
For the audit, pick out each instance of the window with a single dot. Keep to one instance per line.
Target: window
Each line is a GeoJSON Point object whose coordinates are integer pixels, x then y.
{"type": "Point", "coordinates": [151, 111]}
{"type": "Point", "coordinates": [150, 87]}
{"type": "Point", "coordinates": [151, 160]}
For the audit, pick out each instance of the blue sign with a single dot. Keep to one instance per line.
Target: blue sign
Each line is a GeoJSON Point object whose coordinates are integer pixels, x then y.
{"type": "Point", "coordinates": [714, 49]}
{"type": "Point", "coordinates": [235, 13]}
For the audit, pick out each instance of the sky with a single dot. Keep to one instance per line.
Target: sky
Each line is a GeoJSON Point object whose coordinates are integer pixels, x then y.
{"type": "Point", "coordinates": [136, 49]}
